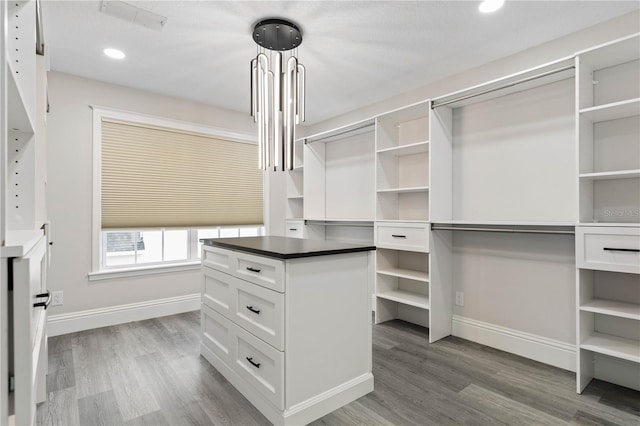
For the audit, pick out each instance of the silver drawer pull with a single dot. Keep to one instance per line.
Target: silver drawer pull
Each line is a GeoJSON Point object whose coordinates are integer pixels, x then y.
{"type": "Point", "coordinates": [621, 249]}
{"type": "Point", "coordinates": [255, 364]}
{"type": "Point", "coordinates": [398, 236]}
{"type": "Point", "coordinates": [249, 268]}
{"type": "Point", "coordinates": [252, 309]}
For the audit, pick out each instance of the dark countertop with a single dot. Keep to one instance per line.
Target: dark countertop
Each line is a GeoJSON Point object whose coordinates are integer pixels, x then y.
{"type": "Point", "coordinates": [285, 247]}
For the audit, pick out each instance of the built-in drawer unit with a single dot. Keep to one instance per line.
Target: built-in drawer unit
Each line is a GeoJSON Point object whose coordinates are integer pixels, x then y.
{"type": "Point", "coordinates": [402, 236]}
{"type": "Point", "coordinates": [294, 228]}
{"type": "Point", "coordinates": [608, 248]}
{"type": "Point", "coordinates": [324, 361]}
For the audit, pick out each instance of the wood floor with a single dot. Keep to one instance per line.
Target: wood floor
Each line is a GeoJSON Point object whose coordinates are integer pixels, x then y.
{"type": "Point", "coordinates": [150, 373]}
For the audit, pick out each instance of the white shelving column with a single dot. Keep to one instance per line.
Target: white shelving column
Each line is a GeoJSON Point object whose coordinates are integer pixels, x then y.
{"type": "Point", "coordinates": [403, 286]}
{"type": "Point", "coordinates": [608, 237]}
{"type": "Point", "coordinates": [23, 243]}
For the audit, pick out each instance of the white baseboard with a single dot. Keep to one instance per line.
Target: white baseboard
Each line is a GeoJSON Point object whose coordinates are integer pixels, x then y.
{"type": "Point", "coordinates": [542, 349]}
{"type": "Point", "coordinates": [103, 317]}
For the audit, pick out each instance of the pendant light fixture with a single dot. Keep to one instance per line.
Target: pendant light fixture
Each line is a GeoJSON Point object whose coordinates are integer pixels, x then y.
{"type": "Point", "coordinates": [277, 92]}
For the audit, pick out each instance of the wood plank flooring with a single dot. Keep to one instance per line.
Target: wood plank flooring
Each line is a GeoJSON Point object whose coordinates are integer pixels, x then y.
{"type": "Point", "coordinates": [150, 373]}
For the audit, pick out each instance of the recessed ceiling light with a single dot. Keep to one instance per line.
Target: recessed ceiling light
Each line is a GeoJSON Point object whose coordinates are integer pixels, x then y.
{"type": "Point", "coordinates": [488, 6]}
{"type": "Point", "coordinates": [114, 53]}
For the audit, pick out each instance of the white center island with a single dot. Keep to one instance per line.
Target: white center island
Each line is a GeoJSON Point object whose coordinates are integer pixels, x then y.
{"type": "Point", "coordinates": [288, 322]}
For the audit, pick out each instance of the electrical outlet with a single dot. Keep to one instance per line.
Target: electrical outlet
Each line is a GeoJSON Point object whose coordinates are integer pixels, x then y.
{"type": "Point", "coordinates": [459, 298]}
{"type": "Point", "coordinates": [57, 298]}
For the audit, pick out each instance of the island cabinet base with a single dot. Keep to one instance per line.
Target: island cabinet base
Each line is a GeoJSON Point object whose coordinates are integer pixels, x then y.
{"type": "Point", "coordinates": [295, 354]}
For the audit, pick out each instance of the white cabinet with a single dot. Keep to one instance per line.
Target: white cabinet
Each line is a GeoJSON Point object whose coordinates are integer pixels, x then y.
{"type": "Point", "coordinates": [608, 300]}
{"type": "Point", "coordinates": [271, 335]}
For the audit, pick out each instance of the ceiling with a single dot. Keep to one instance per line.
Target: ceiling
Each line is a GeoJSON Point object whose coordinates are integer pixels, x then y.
{"type": "Point", "coordinates": [356, 53]}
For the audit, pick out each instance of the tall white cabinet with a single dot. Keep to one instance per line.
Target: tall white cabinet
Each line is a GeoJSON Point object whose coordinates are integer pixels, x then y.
{"type": "Point", "coordinates": [608, 236]}
{"type": "Point", "coordinates": [23, 231]}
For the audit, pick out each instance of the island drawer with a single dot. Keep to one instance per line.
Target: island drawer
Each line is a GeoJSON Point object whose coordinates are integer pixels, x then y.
{"type": "Point", "coordinates": [412, 237]}
{"type": "Point", "coordinates": [263, 271]}
{"type": "Point", "coordinates": [259, 311]}
{"type": "Point", "coordinates": [608, 249]}
{"type": "Point", "coordinates": [260, 365]}
{"type": "Point", "coordinates": [220, 259]}
{"type": "Point", "coordinates": [217, 333]}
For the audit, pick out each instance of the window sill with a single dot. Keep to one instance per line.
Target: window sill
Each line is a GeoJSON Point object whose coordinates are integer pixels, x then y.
{"type": "Point", "coordinates": [142, 271]}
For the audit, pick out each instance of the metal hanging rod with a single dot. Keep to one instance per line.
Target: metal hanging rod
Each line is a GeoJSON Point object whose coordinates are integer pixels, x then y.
{"type": "Point", "coordinates": [312, 139]}
{"type": "Point", "coordinates": [358, 224]}
{"type": "Point", "coordinates": [507, 230]}
{"type": "Point", "coordinates": [506, 86]}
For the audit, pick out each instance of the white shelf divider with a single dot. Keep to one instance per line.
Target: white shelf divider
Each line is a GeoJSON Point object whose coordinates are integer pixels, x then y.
{"type": "Point", "coordinates": [405, 273]}
{"type": "Point", "coordinates": [613, 308]}
{"type": "Point", "coordinates": [408, 149]}
{"type": "Point", "coordinates": [406, 298]}
{"type": "Point", "coordinates": [404, 190]}
{"type": "Point", "coordinates": [614, 346]}
{"type": "Point", "coordinates": [612, 111]}
{"type": "Point", "coordinates": [620, 174]}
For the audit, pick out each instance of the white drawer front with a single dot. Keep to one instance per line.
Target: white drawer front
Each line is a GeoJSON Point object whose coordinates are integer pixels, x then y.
{"type": "Point", "coordinates": [608, 249]}
{"type": "Point", "coordinates": [261, 270]}
{"type": "Point", "coordinates": [294, 228]}
{"type": "Point", "coordinates": [260, 365]}
{"type": "Point", "coordinates": [217, 333]}
{"type": "Point", "coordinates": [260, 311]}
{"type": "Point", "coordinates": [403, 237]}
{"type": "Point", "coordinates": [217, 292]}
{"type": "Point", "coordinates": [222, 260]}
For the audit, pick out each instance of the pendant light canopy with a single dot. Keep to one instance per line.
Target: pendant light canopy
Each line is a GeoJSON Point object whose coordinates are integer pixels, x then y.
{"type": "Point", "coordinates": [277, 92]}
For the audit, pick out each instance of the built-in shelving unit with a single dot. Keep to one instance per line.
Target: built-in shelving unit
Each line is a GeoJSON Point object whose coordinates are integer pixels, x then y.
{"type": "Point", "coordinates": [608, 284]}
{"type": "Point", "coordinates": [609, 132]}
{"type": "Point", "coordinates": [23, 247]}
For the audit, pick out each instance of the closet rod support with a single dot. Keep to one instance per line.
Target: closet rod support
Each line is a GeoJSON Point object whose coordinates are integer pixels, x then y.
{"type": "Point", "coordinates": [435, 105]}
{"type": "Point", "coordinates": [507, 230]}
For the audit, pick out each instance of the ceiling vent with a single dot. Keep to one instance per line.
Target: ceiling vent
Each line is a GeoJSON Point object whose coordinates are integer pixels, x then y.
{"type": "Point", "coordinates": [133, 14]}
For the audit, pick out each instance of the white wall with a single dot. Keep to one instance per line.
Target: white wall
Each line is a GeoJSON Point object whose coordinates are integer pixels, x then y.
{"type": "Point", "coordinates": [69, 186]}
{"type": "Point", "coordinates": [547, 52]}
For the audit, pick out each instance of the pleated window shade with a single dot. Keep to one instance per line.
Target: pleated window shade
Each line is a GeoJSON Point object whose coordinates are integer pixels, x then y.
{"type": "Point", "coordinates": [154, 177]}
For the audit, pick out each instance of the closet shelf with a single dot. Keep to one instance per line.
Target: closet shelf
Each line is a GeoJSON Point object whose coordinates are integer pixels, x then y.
{"type": "Point", "coordinates": [406, 298]}
{"type": "Point", "coordinates": [621, 174]}
{"type": "Point", "coordinates": [613, 308]}
{"type": "Point", "coordinates": [18, 243]}
{"type": "Point", "coordinates": [612, 111]}
{"type": "Point", "coordinates": [18, 117]}
{"type": "Point", "coordinates": [405, 273]}
{"type": "Point", "coordinates": [501, 223]}
{"type": "Point", "coordinates": [615, 224]}
{"type": "Point", "coordinates": [408, 149]}
{"type": "Point", "coordinates": [404, 190]}
{"type": "Point", "coordinates": [614, 346]}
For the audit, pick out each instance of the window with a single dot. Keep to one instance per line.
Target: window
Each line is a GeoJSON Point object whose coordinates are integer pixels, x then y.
{"type": "Point", "coordinates": [162, 185]}
{"type": "Point", "coordinates": [126, 248]}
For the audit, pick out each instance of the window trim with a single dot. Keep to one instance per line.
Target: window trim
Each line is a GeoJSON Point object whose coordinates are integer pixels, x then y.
{"type": "Point", "coordinates": [100, 112]}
